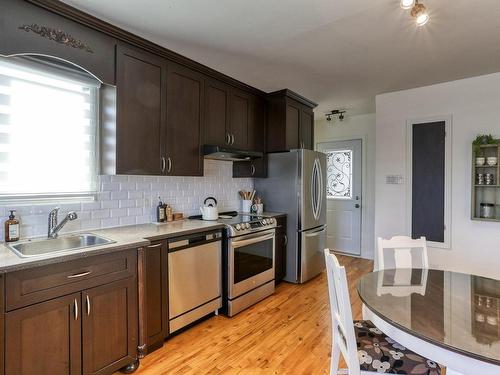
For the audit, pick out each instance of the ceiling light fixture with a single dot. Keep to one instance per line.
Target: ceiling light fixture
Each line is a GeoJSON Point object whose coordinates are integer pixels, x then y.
{"type": "Point", "coordinates": [407, 4]}
{"type": "Point", "coordinates": [335, 112]}
{"type": "Point", "coordinates": [419, 12]}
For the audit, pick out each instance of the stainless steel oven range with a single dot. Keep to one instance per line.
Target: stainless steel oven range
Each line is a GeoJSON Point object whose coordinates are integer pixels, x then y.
{"type": "Point", "coordinates": [248, 261]}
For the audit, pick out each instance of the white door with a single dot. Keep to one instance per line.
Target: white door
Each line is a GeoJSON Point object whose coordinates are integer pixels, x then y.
{"type": "Point", "coordinates": [343, 192]}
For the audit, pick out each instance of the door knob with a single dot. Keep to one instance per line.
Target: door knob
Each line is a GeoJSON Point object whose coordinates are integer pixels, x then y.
{"type": "Point", "coordinates": [357, 205]}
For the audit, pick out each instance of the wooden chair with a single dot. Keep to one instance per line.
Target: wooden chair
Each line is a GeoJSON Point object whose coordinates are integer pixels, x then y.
{"type": "Point", "coordinates": [402, 247]}
{"type": "Point", "coordinates": [365, 348]}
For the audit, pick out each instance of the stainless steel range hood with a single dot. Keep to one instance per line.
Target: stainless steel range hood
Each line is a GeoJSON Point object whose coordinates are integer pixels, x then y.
{"type": "Point", "coordinates": [226, 153]}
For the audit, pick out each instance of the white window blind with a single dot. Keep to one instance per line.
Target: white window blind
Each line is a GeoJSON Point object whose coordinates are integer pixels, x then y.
{"type": "Point", "coordinates": [48, 131]}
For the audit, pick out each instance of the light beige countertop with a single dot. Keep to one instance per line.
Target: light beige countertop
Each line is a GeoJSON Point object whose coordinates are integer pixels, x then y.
{"type": "Point", "coordinates": [127, 237]}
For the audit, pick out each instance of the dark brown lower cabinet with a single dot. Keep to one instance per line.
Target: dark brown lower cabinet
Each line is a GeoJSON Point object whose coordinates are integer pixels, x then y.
{"type": "Point", "coordinates": [93, 329]}
{"type": "Point", "coordinates": [2, 337]}
{"type": "Point", "coordinates": [156, 292]}
{"type": "Point", "coordinates": [44, 338]}
{"type": "Point", "coordinates": [280, 250]}
{"type": "Point", "coordinates": [109, 324]}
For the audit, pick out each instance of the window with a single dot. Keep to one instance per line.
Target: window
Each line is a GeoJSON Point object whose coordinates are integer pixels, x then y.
{"type": "Point", "coordinates": [339, 174]}
{"type": "Point", "coordinates": [48, 131]}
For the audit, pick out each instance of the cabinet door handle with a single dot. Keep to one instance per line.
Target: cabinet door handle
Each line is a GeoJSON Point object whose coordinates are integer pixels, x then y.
{"type": "Point", "coordinates": [87, 301]}
{"type": "Point", "coordinates": [286, 240]}
{"type": "Point", "coordinates": [228, 138]}
{"type": "Point", "coordinates": [153, 246]}
{"type": "Point", "coordinates": [253, 169]}
{"type": "Point", "coordinates": [169, 165]}
{"type": "Point", "coordinates": [163, 164]}
{"type": "Point", "coordinates": [75, 309]}
{"type": "Point", "coordinates": [232, 139]}
{"type": "Point", "coordinates": [75, 276]}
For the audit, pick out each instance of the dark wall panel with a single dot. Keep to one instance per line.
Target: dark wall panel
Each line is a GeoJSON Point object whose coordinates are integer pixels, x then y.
{"type": "Point", "coordinates": [428, 180]}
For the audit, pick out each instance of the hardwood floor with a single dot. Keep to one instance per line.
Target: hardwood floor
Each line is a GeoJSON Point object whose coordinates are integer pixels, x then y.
{"type": "Point", "coordinates": [288, 333]}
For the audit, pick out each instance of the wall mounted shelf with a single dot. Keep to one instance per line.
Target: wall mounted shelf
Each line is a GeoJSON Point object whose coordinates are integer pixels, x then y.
{"type": "Point", "coordinates": [483, 193]}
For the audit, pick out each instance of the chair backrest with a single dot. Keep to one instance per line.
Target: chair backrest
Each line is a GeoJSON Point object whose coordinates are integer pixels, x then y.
{"type": "Point", "coordinates": [343, 334]}
{"type": "Point", "coordinates": [401, 284]}
{"type": "Point", "coordinates": [402, 247]}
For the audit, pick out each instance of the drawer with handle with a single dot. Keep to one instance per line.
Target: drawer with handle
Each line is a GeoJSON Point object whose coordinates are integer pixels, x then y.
{"type": "Point", "coordinates": [38, 284]}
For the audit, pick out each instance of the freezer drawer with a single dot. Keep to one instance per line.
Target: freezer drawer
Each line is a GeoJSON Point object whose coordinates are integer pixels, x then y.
{"type": "Point", "coordinates": [194, 281]}
{"type": "Point", "coordinates": [312, 258]}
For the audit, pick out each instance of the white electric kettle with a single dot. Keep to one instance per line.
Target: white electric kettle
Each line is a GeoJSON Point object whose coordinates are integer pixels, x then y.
{"type": "Point", "coordinates": [209, 211]}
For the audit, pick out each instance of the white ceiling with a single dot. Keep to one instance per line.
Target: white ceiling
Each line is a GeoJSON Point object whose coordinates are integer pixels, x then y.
{"type": "Point", "coordinates": [339, 53]}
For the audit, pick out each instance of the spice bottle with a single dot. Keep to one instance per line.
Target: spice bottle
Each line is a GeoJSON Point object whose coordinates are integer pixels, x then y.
{"type": "Point", "coordinates": [170, 213]}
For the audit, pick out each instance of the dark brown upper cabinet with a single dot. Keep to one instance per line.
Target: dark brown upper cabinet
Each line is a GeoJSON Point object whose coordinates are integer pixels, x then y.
{"type": "Point", "coordinates": [28, 29]}
{"type": "Point", "coordinates": [140, 112]}
{"type": "Point", "coordinates": [184, 128]}
{"type": "Point", "coordinates": [217, 113]}
{"type": "Point", "coordinates": [306, 128]}
{"type": "Point", "coordinates": [256, 141]}
{"type": "Point", "coordinates": [239, 118]}
{"type": "Point", "coordinates": [254, 168]}
{"type": "Point", "coordinates": [290, 122]}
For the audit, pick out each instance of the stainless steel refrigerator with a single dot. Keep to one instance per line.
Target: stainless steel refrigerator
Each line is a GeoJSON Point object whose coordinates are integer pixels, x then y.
{"type": "Point", "coordinates": [296, 185]}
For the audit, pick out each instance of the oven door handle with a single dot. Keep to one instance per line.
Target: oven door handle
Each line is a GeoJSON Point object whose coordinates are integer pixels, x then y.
{"type": "Point", "coordinates": [241, 243]}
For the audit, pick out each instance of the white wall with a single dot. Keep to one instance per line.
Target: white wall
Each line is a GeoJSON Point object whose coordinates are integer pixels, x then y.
{"type": "Point", "coordinates": [125, 200]}
{"type": "Point", "coordinates": [356, 127]}
{"type": "Point", "coordinates": [474, 105]}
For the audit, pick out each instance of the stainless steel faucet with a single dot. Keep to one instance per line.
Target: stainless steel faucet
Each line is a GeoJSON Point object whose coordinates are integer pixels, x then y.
{"type": "Point", "coordinates": [54, 227]}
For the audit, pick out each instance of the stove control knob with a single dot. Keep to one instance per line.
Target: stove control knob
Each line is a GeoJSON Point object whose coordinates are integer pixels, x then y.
{"type": "Point", "coordinates": [247, 225]}
{"type": "Point", "coordinates": [268, 221]}
{"type": "Point", "coordinates": [263, 222]}
{"type": "Point", "coordinates": [238, 226]}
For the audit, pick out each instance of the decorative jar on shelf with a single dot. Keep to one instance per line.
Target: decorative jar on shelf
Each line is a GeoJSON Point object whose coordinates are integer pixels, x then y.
{"type": "Point", "coordinates": [492, 161]}
{"type": "Point", "coordinates": [489, 179]}
{"type": "Point", "coordinates": [487, 210]}
{"type": "Point", "coordinates": [480, 161]}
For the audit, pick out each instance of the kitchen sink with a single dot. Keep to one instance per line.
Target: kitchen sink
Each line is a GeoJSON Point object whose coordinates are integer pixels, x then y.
{"type": "Point", "coordinates": [34, 248]}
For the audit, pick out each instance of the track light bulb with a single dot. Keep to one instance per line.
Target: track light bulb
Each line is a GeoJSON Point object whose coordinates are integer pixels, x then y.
{"type": "Point", "coordinates": [407, 4]}
{"type": "Point", "coordinates": [419, 12]}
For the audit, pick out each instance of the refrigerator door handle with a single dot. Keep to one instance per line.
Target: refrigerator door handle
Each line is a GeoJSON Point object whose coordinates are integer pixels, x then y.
{"type": "Point", "coordinates": [315, 233]}
{"type": "Point", "coordinates": [320, 188]}
{"type": "Point", "coordinates": [316, 189]}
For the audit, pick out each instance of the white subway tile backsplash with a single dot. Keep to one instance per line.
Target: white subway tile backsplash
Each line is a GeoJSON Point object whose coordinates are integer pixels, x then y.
{"type": "Point", "coordinates": [127, 203]}
{"type": "Point", "coordinates": [127, 220]}
{"type": "Point", "coordinates": [110, 222]}
{"type": "Point", "coordinates": [110, 204]}
{"type": "Point", "coordinates": [136, 211]}
{"type": "Point", "coordinates": [119, 212]}
{"type": "Point", "coordinates": [127, 200]}
{"type": "Point", "coordinates": [90, 206]}
{"type": "Point", "coordinates": [121, 194]}
{"type": "Point", "coordinates": [100, 214]}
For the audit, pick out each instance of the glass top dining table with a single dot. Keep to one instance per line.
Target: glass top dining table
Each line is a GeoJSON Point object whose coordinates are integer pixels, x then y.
{"type": "Point", "coordinates": [456, 311]}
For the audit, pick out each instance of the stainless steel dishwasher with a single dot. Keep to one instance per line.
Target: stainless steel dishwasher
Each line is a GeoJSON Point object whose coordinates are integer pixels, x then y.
{"type": "Point", "coordinates": [194, 277]}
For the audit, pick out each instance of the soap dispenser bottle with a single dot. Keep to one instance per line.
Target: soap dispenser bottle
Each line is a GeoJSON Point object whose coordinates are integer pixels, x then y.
{"type": "Point", "coordinates": [12, 228]}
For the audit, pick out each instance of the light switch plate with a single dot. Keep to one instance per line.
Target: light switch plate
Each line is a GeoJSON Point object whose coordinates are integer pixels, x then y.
{"type": "Point", "coordinates": [394, 179]}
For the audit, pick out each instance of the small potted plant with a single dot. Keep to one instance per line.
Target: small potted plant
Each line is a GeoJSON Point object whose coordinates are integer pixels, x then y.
{"type": "Point", "coordinates": [481, 139]}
